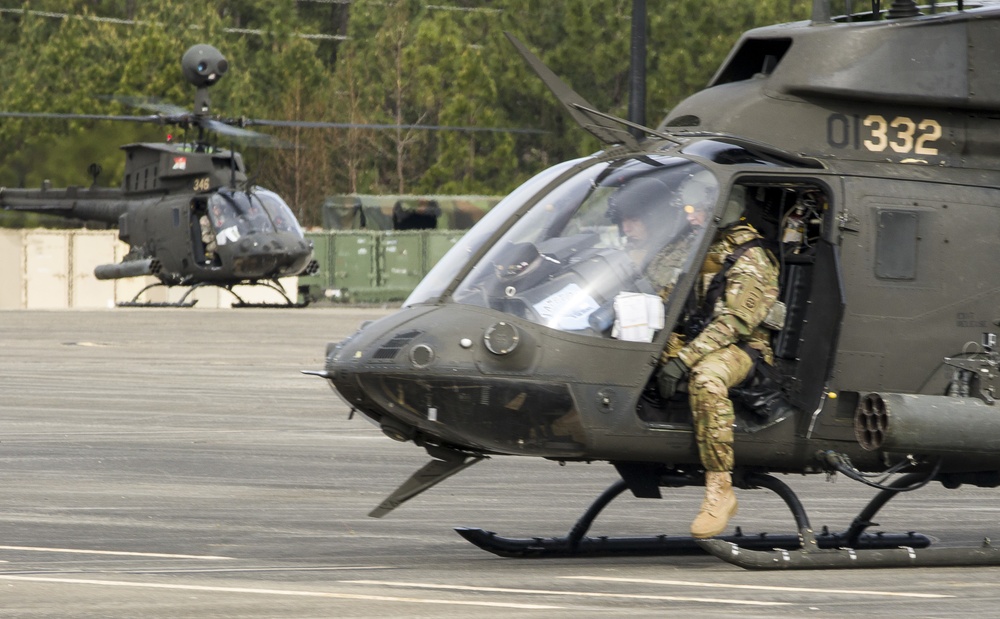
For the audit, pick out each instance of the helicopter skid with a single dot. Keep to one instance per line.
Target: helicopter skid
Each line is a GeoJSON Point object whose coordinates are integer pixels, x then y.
{"type": "Point", "coordinates": [135, 303]}
{"type": "Point", "coordinates": [852, 548]}
{"type": "Point", "coordinates": [238, 303]}
{"type": "Point", "coordinates": [818, 558]}
{"type": "Point", "coordinates": [664, 545]}
{"type": "Point", "coordinates": [289, 305]}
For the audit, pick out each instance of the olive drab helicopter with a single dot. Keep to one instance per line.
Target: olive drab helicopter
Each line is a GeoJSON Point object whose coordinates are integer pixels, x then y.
{"type": "Point", "coordinates": [185, 209]}
{"type": "Point", "coordinates": [863, 147]}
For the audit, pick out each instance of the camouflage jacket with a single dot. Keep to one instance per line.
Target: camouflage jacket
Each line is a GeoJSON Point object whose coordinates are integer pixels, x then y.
{"type": "Point", "coordinates": [750, 291]}
{"type": "Point", "coordinates": [665, 267]}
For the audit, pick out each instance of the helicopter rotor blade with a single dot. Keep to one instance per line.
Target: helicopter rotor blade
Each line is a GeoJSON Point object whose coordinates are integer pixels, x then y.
{"type": "Point", "coordinates": [155, 118]}
{"type": "Point", "coordinates": [306, 124]}
{"type": "Point", "coordinates": [234, 127]}
{"type": "Point", "coordinates": [598, 125]}
{"type": "Point", "coordinates": [167, 109]}
{"type": "Point", "coordinates": [232, 131]}
{"type": "Point", "coordinates": [181, 118]}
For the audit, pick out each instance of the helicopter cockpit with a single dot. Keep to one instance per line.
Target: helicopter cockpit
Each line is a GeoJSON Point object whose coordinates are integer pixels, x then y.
{"type": "Point", "coordinates": [620, 227]}
{"type": "Point", "coordinates": [236, 214]}
{"type": "Point", "coordinates": [609, 249]}
{"type": "Point", "coordinates": [236, 219]}
{"type": "Point", "coordinates": [554, 309]}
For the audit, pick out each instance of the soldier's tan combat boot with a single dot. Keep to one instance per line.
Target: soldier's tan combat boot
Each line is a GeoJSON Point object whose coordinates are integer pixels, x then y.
{"type": "Point", "coordinates": [717, 508]}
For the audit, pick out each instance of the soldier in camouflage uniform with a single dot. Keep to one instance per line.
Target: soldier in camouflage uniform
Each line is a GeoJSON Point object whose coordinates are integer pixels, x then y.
{"type": "Point", "coordinates": [720, 356]}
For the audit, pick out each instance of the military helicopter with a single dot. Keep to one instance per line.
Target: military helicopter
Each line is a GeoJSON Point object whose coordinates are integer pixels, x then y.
{"type": "Point", "coordinates": [864, 148]}
{"type": "Point", "coordinates": [185, 209]}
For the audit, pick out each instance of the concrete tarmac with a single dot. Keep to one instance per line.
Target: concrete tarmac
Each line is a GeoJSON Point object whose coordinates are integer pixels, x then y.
{"type": "Point", "coordinates": [176, 463]}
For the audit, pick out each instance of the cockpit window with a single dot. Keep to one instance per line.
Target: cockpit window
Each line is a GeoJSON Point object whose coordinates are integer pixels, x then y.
{"type": "Point", "coordinates": [629, 226]}
{"type": "Point", "coordinates": [279, 212]}
{"type": "Point", "coordinates": [448, 267]}
{"type": "Point", "coordinates": [235, 215]}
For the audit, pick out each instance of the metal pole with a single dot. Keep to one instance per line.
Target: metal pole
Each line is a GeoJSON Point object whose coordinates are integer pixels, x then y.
{"type": "Point", "coordinates": [637, 72]}
{"type": "Point", "coordinates": [821, 12]}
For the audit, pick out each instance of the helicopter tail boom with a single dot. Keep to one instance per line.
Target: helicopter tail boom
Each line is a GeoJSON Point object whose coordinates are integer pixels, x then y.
{"type": "Point", "coordinates": [94, 204]}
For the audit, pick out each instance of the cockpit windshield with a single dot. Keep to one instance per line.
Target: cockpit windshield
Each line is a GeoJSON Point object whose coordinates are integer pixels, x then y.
{"type": "Point", "coordinates": [453, 262]}
{"type": "Point", "coordinates": [279, 212]}
{"type": "Point", "coordinates": [628, 226]}
{"type": "Point", "coordinates": [236, 214]}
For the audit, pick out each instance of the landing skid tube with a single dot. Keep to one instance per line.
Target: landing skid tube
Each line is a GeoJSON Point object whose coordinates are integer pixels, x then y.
{"type": "Point", "coordinates": [577, 544]}
{"type": "Point", "coordinates": [267, 284]}
{"type": "Point", "coordinates": [183, 301]}
{"type": "Point", "coordinates": [813, 555]}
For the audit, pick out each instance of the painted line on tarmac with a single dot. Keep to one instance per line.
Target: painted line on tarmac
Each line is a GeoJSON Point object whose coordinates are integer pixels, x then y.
{"type": "Point", "coordinates": [31, 437]}
{"type": "Point", "coordinates": [119, 553]}
{"type": "Point", "coordinates": [226, 570]}
{"type": "Point", "coordinates": [285, 592]}
{"type": "Point", "coordinates": [630, 596]}
{"type": "Point", "coordinates": [687, 583]}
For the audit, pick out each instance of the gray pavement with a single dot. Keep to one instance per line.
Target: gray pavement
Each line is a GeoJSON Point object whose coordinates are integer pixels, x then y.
{"type": "Point", "coordinates": [175, 463]}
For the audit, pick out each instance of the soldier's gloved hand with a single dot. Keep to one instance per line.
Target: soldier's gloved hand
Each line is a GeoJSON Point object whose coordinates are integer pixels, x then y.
{"type": "Point", "coordinates": [671, 375]}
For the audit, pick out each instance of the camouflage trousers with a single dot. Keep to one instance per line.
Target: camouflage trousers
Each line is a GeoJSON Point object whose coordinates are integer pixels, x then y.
{"type": "Point", "coordinates": [708, 389]}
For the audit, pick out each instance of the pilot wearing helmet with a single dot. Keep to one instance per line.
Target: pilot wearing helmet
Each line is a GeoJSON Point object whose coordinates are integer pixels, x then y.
{"type": "Point", "coordinates": [658, 235]}
{"type": "Point", "coordinates": [722, 339]}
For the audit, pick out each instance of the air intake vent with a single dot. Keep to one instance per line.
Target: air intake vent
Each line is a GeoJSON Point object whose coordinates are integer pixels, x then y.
{"type": "Point", "coordinates": [391, 348]}
{"type": "Point", "coordinates": [754, 57]}
{"type": "Point", "coordinates": [685, 121]}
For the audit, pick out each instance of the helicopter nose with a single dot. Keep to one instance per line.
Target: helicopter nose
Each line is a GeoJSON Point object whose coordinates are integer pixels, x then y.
{"type": "Point", "coordinates": [269, 255]}
{"type": "Point", "coordinates": [471, 384]}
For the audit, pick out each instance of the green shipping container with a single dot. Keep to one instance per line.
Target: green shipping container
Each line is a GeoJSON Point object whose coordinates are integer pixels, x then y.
{"type": "Point", "coordinates": [402, 261]}
{"type": "Point", "coordinates": [439, 243]}
{"type": "Point", "coordinates": [355, 256]}
{"type": "Point", "coordinates": [313, 287]}
{"type": "Point", "coordinates": [372, 266]}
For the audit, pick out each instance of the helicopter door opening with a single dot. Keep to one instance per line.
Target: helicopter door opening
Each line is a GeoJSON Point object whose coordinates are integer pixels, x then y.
{"type": "Point", "coordinates": [203, 239]}
{"type": "Point", "coordinates": [795, 220]}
